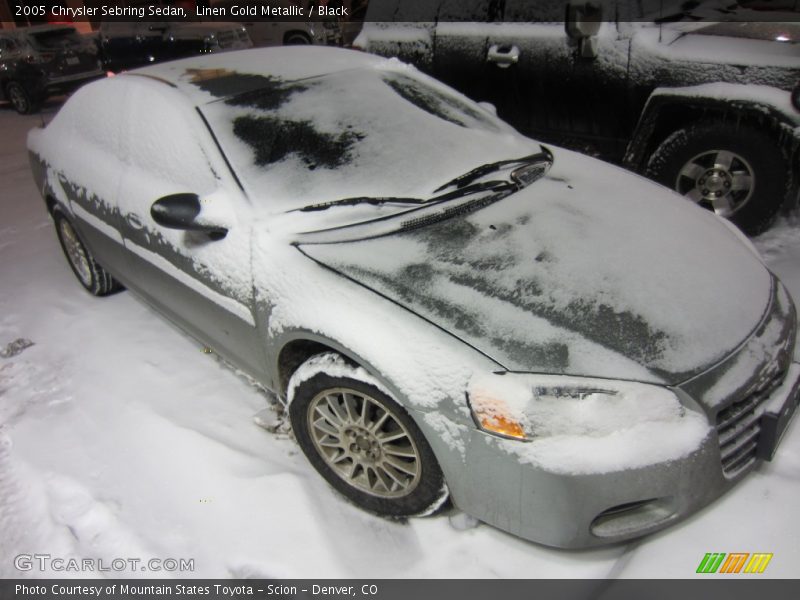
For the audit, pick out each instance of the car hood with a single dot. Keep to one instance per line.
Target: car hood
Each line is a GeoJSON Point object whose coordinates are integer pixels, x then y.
{"type": "Point", "coordinates": [589, 271]}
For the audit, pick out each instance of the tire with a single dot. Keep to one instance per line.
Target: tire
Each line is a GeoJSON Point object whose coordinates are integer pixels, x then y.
{"type": "Point", "coordinates": [737, 171]}
{"type": "Point", "coordinates": [22, 101]}
{"type": "Point", "coordinates": [362, 441]}
{"type": "Point", "coordinates": [296, 39]}
{"type": "Point", "coordinates": [89, 273]}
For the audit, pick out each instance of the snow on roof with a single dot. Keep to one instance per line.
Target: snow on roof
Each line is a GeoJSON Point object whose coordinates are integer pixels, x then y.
{"type": "Point", "coordinates": [289, 63]}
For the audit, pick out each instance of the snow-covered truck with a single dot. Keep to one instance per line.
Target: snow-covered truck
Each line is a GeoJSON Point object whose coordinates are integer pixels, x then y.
{"type": "Point", "coordinates": [701, 103]}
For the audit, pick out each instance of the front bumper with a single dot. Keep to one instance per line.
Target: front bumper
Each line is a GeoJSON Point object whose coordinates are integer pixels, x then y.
{"type": "Point", "coordinates": [743, 405]}
{"type": "Point", "coordinates": [582, 510]}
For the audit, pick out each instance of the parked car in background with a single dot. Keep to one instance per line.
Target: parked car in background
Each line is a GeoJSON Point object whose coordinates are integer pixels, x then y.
{"type": "Point", "coordinates": [266, 31]}
{"type": "Point", "coordinates": [446, 308]}
{"type": "Point", "coordinates": [702, 107]}
{"type": "Point", "coordinates": [37, 62]}
{"type": "Point", "coordinates": [130, 44]}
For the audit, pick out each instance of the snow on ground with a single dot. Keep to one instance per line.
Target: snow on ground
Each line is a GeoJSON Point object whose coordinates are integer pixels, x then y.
{"type": "Point", "coordinates": [120, 437]}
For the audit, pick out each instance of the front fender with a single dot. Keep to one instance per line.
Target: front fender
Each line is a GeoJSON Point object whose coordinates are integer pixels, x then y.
{"type": "Point", "coordinates": [671, 108]}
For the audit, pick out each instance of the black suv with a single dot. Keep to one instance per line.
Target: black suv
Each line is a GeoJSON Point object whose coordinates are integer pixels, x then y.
{"type": "Point", "coordinates": [665, 87]}
{"type": "Point", "coordinates": [36, 62]}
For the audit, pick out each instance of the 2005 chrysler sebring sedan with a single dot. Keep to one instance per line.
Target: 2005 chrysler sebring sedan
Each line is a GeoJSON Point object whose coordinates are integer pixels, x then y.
{"type": "Point", "coordinates": [449, 309]}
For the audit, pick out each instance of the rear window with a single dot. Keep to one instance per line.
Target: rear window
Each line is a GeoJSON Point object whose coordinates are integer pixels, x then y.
{"type": "Point", "coordinates": [55, 39]}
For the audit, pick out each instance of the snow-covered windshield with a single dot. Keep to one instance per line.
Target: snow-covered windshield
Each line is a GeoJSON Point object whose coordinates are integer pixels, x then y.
{"type": "Point", "coordinates": [376, 132]}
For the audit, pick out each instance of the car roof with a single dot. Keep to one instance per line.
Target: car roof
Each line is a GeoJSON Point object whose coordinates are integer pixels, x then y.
{"type": "Point", "coordinates": [288, 63]}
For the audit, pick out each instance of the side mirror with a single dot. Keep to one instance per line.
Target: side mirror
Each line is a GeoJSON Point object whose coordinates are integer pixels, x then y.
{"type": "Point", "coordinates": [582, 22]}
{"type": "Point", "coordinates": [180, 211]}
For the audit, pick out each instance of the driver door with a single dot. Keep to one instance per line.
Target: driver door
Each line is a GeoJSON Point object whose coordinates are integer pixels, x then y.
{"type": "Point", "coordinates": [201, 283]}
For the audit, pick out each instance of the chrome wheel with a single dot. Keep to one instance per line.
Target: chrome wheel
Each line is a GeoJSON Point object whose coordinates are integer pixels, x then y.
{"type": "Point", "coordinates": [364, 443]}
{"type": "Point", "coordinates": [719, 179]}
{"type": "Point", "coordinates": [75, 252]}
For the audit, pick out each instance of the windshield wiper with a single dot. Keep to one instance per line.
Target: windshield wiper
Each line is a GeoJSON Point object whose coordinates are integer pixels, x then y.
{"type": "Point", "coordinates": [478, 172]}
{"type": "Point", "coordinates": [362, 200]}
{"type": "Point", "coordinates": [484, 186]}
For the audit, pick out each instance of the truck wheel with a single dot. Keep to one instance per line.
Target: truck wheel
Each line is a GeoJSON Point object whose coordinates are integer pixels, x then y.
{"type": "Point", "coordinates": [737, 171]}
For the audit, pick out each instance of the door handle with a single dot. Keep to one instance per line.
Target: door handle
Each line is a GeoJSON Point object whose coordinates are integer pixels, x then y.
{"type": "Point", "coordinates": [503, 55]}
{"type": "Point", "coordinates": [134, 221]}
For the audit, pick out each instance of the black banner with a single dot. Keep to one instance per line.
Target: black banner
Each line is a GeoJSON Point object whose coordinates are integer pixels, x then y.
{"type": "Point", "coordinates": [738, 588]}
{"type": "Point", "coordinates": [458, 11]}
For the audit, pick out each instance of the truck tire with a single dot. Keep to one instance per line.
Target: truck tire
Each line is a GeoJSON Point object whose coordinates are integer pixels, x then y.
{"type": "Point", "coordinates": [738, 171]}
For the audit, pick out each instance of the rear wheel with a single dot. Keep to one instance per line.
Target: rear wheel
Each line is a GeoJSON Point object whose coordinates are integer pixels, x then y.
{"type": "Point", "coordinates": [22, 101]}
{"type": "Point", "coordinates": [738, 172]}
{"type": "Point", "coordinates": [362, 442]}
{"type": "Point", "coordinates": [90, 274]}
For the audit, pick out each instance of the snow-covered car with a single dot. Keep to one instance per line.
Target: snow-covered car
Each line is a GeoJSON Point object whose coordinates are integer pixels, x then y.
{"type": "Point", "coordinates": [445, 307]}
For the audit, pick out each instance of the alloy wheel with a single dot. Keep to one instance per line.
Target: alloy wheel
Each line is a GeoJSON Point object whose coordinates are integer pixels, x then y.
{"type": "Point", "coordinates": [364, 443]}
{"type": "Point", "coordinates": [718, 179]}
{"type": "Point", "coordinates": [18, 98]}
{"type": "Point", "coordinates": [76, 253]}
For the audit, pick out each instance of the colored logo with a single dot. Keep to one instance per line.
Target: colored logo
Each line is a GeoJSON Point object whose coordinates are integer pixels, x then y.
{"type": "Point", "coordinates": [735, 562]}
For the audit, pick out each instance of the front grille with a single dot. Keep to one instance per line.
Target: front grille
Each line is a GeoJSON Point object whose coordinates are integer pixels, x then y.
{"type": "Point", "coordinates": [739, 427]}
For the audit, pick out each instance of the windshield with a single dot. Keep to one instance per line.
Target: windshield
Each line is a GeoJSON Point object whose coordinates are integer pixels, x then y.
{"type": "Point", "coordinates": [362, 133]}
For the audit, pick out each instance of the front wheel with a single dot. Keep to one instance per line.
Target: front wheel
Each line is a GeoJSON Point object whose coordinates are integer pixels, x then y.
{"type": "Point", "coordinates": [738, 172]}
{"type": "Point", "coordinates": [362, 442]}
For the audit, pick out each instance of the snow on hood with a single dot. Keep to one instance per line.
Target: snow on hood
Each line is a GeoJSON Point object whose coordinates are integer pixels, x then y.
{"type": "Point", "coordinates": [589, 271]}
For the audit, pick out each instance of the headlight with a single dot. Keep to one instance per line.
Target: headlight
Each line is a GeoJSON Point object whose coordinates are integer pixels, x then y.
{"type": "Point", "coordinates": [529, 407]}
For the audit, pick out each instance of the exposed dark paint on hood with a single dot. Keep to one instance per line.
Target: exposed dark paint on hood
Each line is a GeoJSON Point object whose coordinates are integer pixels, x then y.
{"type": "Point", "coordinates": [590, 271]}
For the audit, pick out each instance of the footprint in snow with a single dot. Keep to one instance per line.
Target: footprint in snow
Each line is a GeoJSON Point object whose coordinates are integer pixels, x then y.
{"type": "Point", "coordinates": [18, 346]}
